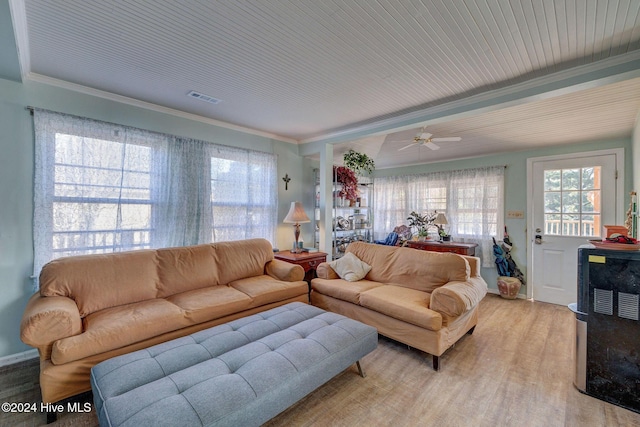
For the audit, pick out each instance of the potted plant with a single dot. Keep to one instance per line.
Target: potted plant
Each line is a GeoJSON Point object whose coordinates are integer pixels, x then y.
{"type": "Point", "coordinates": [421, 223]}
{"type": "Point", "coordinates": [349, 181]}
{"type": "Point", "coordinates": [418, 223]}
{"type": "Point", "coordinates": [444, 235]}
{"type": "Point", "coordinates": [358, 162]}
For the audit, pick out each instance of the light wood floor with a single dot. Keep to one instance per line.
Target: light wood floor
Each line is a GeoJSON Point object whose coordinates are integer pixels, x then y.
{"type": "Point", "coordinates": [515, 370]}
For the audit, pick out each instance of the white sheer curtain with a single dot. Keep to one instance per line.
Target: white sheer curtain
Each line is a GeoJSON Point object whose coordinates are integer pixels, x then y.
{"type": "Point", "coordinates": [181, 214]}
{"type": "Point", "coordinates": [101, 187]}
{"type": "Point", "coordinates": [472, 200]}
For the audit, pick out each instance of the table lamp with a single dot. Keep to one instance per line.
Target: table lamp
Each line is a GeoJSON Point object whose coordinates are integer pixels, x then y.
{"type": "Point", "coordinates": [440, 222]}
{"type": "Point", "coordinates": [296, 216]}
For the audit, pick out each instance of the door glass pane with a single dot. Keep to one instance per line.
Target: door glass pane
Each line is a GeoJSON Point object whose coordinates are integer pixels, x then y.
{"type": "Point", "coordinates": [571, 179]}
{"type": "Point", "coordinates": [589, 199]}
{"type": "Point", "coordinates": [552, 180]}
{"type": "Point", "coordinates": [572, 202]}
{"type": "Point", "coordinates": [552, 201]}
{"type": "Point", "coordinates": [552, 224]}
{"type": "Point", "coordinates": [588, 225]}
{"type": "Point", "coordinates": [591, 178]}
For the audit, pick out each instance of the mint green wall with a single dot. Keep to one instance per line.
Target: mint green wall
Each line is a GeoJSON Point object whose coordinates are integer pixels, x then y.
{"type": "Point", "coordinates": [16, 178]}
{"type": "Point", "coordinates": [516, 187]}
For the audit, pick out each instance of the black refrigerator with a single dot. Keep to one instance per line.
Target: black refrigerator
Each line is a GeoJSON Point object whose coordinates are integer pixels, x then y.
{"type": "Point", "coordinates": [607, 326]}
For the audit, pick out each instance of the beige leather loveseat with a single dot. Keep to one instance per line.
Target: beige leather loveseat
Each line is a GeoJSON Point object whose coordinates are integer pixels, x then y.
{"type": "Point", "coordinates": [91, 308]}
{"type": "Point", "coordinates": [427, 300]}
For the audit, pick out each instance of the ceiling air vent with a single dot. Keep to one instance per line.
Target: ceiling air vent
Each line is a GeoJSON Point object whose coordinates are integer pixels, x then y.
{"type": "Point", "coordinates": [203, 97]}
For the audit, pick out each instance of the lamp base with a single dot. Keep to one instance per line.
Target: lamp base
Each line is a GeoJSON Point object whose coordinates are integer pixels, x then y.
{"type": "Point", "coordinates": [296, 232]}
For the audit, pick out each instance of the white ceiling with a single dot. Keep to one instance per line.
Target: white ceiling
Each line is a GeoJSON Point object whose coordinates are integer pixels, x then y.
{"type": "Point", "coordinates": [335, 70]}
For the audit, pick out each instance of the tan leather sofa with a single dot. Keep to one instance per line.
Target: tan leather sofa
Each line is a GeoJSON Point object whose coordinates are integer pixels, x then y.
{"type": "Point", "coordinates": [427, 300]}
{"type": "Point", "coordinates": [93, 307]}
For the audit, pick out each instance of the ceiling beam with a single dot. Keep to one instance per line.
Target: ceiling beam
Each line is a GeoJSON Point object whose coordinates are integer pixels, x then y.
{"type": "Point", "coordinates": [601, 73]}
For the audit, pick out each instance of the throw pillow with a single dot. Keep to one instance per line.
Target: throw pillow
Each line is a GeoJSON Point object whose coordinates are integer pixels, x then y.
{"type": "Point", "coordinates": [350, 268]}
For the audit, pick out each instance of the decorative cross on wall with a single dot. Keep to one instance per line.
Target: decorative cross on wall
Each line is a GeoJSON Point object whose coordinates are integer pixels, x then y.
{"type": "Point", "coordinates": [286, 180]}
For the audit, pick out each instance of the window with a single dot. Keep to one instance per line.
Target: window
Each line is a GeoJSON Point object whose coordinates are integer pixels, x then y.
{"type": "Point", "coordinates": [572, 202]}
{"type": "Point", "coordinates": [471, 199]}
{"type": "Point", "coordinates": [103, 188]}
{"type": "Point", "coordinates": [101, 196]}
{"type": "Point", "coordinates": [243, 189]}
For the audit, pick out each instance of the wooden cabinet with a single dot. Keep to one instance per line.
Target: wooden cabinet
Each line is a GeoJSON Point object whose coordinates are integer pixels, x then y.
{"type": "Point", "coordinates": [437, 246]}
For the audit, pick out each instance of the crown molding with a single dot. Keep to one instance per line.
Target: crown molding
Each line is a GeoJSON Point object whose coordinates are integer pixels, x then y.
{"type": "Point", "coordinates": [63, 84]}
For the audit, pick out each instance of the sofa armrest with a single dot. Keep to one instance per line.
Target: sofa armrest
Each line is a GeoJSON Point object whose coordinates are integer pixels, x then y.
{"type": "Point", "coordinates": [324, 271]}
{"type": "Point", "coordinates": [456, 298]}
{"type": "Point", "coordinates": [474, 265]}
{"type": "Point", "coordinates": [48, 319]}
{"type": "Point", "coordinates": [284, 271]}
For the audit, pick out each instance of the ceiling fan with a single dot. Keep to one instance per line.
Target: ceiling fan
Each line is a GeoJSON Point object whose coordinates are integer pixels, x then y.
{"type": "Point", "coordinates": [426, 139]}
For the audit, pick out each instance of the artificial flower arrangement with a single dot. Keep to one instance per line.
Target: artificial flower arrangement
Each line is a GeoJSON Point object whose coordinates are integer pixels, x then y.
{"type": "Point", "coordinates": [421, 223]}
{"type": "Point", "coordinates": [349, 181]}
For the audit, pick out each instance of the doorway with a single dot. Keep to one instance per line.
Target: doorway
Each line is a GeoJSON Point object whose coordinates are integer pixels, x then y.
{"type": "Point", "coordinates": [570, 199]}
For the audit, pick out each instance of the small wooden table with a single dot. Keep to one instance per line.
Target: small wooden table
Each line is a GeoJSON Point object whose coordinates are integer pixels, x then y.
{"type": "Point", "coordinates": [437, 246]}
{"type": "Point", "coordinates": [308, 260]}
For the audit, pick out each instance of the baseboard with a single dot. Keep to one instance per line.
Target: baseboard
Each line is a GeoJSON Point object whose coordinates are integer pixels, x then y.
{"type": "Point", "coordinates": [18, 357]}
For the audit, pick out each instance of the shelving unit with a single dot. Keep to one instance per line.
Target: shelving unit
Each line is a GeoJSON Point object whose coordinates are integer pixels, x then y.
{"type": "Point", "coordinates": [349, 223]}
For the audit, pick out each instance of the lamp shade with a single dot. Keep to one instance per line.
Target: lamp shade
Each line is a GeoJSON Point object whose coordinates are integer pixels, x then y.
{"type": "Point", "coordinates": [296, 214]}
{"type": "Point", "coordinates": [441, 219]}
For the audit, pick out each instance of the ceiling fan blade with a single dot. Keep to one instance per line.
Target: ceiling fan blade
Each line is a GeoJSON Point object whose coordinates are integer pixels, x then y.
{"type": "Point", "coordinates": [430, 145]}
{"type": "Point", "coordinates": [446, 139]}
{"type": "Point", "coordinates": [407, 146]}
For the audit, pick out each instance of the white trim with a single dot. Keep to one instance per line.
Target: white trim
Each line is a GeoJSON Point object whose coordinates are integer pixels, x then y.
{"type": "Point", "coordinates": [18, 357]}
{"type": "Point", "coordinates": [39, 78]}
{"type": "Point", "coordinates": [619, 154]}
{"type": "Point", "coordinates": [19, 21]}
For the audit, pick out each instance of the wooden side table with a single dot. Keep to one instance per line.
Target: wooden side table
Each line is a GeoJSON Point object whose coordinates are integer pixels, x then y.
{"type": "Point", "coordinates": [308, 260]}
{"type": "Point", "coordinates": [437, 246]}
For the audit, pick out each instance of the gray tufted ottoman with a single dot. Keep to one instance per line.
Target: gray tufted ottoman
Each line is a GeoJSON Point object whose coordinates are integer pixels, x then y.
{"type": "Point", "coordinates": [240, 373]}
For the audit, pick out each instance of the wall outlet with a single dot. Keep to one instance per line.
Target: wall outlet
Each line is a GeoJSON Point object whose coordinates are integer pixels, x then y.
{"type": "Point", "coordinates": [515, 214]}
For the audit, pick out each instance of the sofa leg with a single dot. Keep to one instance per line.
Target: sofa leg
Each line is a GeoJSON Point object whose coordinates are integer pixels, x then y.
{"type": "Point", "coordinates": [470, 331]}
{"type": "Point", "coordinates": [436, 363]}
{"type": "Point", "coordinates": [360, 370]}
{"type": "Point", "coordinates": [51, 417]}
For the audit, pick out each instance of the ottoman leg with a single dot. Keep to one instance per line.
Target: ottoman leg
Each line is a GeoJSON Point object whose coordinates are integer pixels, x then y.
{"type": "Point", "coordinates": [360, 370]}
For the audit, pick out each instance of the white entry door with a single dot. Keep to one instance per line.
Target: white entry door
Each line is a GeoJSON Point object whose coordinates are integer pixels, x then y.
{"type": "Point", "coordinates": [570, 200]}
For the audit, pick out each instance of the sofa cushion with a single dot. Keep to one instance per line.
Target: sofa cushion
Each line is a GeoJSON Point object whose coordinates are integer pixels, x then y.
{"type": "Point", "coordinates": [100, 281]}
{"type": "Point", "coordinates": [202, 305]}
{"type": "Point", "coordinates": [408, 305]}
{"type": "Point", "coordinates": [117, 327]}
{"type": "Point", "coordinates": [342, 289]}
{"type": "Point", "coordinates": [186, 268]}
{"type": "Point", "coordinates": [411, 268]}
{"type": "Point", "coordinates": [350, 268]}
{"type": "Point", "coordinates": [243, 258]}
{"type": "Point", "coordinates": [265, 289]}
